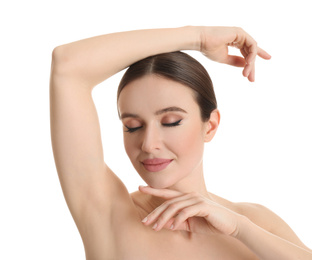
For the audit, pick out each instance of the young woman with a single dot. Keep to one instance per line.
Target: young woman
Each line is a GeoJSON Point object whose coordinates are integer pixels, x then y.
{"type": "Point", "coordinates": [168, 109]}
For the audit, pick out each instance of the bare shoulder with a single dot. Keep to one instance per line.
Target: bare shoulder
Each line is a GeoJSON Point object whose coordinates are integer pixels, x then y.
{"type": "Point", "coordinates": [263, 217]}
{"type": "Point", "coordinates": [257, 213]}
{"type": "Point", "coordinates": [268, 220]}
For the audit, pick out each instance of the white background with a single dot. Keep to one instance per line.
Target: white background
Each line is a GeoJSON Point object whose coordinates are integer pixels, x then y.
{"type": "Point", "coordinates": [261, 153]}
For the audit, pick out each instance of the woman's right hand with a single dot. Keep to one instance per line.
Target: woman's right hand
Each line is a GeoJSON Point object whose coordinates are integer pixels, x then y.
{"type": "Point", "coordinates": [214, 43]}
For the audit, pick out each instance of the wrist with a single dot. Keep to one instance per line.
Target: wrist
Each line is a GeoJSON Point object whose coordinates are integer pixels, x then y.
{"type": "Point", "coordinates": [193, 37]}
{"type": "Point", "coordinates": [243, 225]}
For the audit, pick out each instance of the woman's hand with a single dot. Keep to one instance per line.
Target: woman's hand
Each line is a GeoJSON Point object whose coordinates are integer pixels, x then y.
{"type": "Point", "coordinates": [214, 43]}
{"type": "Point", "coordinates": [191, 212]}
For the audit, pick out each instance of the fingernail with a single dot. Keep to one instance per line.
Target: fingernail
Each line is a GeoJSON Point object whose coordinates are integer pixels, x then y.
{"type": "Point", "coordinates": [171, 227]}
{"type": "Point", "coordinates": [155, 226]}
{"type": "Point", "coordinates": [144, 220]}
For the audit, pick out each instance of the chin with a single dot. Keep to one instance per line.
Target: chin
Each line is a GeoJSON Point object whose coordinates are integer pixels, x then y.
{"type": "Point", "coordinates": [164, 179]}
{"type": "Point", "coordinates": [159, 182]}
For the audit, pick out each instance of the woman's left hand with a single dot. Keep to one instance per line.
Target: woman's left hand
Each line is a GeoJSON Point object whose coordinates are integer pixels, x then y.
{"type": "Point", "coordinates": [191, 212]}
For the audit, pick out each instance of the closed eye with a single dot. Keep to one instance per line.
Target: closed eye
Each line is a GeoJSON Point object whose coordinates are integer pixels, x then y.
{"type": "Point", "coordinates": [173, 124]}
{"type": "Point", "coordinates": [132, 129]}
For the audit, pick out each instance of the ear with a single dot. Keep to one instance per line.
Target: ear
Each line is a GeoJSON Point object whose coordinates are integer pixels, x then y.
{"type": "Point", "coordinates": [211, 125]}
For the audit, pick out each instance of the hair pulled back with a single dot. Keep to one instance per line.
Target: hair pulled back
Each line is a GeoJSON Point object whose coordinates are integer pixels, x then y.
{"type": "Point", "coordinates": [180, 67]}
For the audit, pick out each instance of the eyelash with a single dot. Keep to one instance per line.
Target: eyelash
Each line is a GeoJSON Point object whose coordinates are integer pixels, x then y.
{"type": "Point", "coordinates": [131, 130]}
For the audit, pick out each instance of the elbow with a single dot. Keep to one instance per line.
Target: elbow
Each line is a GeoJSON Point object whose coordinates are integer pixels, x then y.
{"type": "Point", "coordinates": [56, 62]}
{"type": "Point", "coordinates": [60, 61]}
{"type": "Point", "coordinates": [56, 54]}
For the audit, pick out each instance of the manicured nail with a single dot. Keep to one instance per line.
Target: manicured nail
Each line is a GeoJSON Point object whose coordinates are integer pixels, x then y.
{"type": "Point", "coordinates": [155, 226]}
{"type": "Point", "coordinates": [171, 227]}
{"type": "Point", "coordinates": [144, 220]}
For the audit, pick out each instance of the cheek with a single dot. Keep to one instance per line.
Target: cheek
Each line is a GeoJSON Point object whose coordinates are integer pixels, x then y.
{"type": "Point", "coordinates": [128, 146]}
{"type": "Point", "coordinates": [189, 144]}
{"type": "Point", "coordinates": [131, 147]}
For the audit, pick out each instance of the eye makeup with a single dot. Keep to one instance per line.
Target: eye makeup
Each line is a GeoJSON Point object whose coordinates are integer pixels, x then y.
{"type": "Point", "coordinates": [172, 124]}
{"type": "Point", "coordinates": [133, 129]}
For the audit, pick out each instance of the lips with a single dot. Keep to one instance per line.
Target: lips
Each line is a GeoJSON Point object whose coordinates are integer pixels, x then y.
{"type": "Point", "coordinates": [156, 164]}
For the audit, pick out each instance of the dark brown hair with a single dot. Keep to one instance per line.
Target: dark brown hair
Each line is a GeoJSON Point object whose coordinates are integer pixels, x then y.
{"type": "Point", "coordinates": [180, 67]}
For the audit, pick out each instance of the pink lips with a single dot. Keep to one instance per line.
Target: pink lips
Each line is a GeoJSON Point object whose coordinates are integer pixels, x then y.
{"type": "Point", "coordinates": [156, 165]}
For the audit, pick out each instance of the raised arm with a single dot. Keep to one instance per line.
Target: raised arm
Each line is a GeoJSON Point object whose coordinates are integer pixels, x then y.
{"type": "Point", "coordinates": [75, 131]}
{"type": "Point", "coordinates": [90, 188]}
{"type": "Point", "coordinates": [95, 59]}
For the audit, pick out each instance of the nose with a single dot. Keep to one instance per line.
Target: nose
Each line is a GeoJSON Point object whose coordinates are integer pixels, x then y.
{"type": "Point", "coordinates": [151, 139]}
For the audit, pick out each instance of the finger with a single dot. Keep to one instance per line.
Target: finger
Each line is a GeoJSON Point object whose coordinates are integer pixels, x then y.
{"type": "Point", "coordinates": [251, 76]}
{"type": "Point", "coordinates": [250, 71]}
{"type": "Point", "coordinates": [163, 217]}
{"type": "Point", "coordinates": [244, 53]}
{"type": "Point", "coordinates": [163, 193]}
{"type": "Point", "coordinates": [194, 210]}
{"type": "Point", "coordinates": [247, 70]}
{"type": "Point", "coordinates": [263, 54]}
{"type": "Point", "coordinates": [235, 61]}
{"type": "Point", "coordinates": [251, 53]}
{"type": "Point", "coordinates": [247, 45]}
{"type": "Point", "coordinates": [153, 216]}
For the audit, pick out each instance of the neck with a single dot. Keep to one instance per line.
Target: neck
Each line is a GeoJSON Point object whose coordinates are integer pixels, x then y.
{"type": "Point", "coordinates": [195, 181]}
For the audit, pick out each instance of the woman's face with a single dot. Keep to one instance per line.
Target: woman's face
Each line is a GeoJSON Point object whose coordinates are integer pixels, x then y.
{"type": "Point", "coordinates": [163, 132]}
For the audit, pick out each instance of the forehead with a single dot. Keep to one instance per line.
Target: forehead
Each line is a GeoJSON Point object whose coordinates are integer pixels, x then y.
{"type": "Point", "coordinates": [151, 93]}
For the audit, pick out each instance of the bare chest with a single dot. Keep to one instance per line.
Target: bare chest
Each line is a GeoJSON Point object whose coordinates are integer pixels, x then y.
{"type": "Point", "coordinates": [163, 246]}
{"type": "Point", "coordinates": [150, 245]}
{"type": "Point", "coordinates": [129, 239]}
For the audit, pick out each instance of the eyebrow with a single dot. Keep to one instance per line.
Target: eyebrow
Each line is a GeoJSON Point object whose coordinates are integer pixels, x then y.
{"type": "Point", "coordinates": [158, 112]}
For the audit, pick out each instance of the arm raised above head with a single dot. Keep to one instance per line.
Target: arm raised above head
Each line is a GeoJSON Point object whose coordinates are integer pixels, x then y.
{"type": "Point", "coordinates": [76, 68]}
{"type": "Point", "coordinates": [95, 59]}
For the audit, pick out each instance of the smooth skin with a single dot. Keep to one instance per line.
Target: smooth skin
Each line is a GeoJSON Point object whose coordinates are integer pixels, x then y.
{"type": "Point", "coordinates": [190, 225]}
